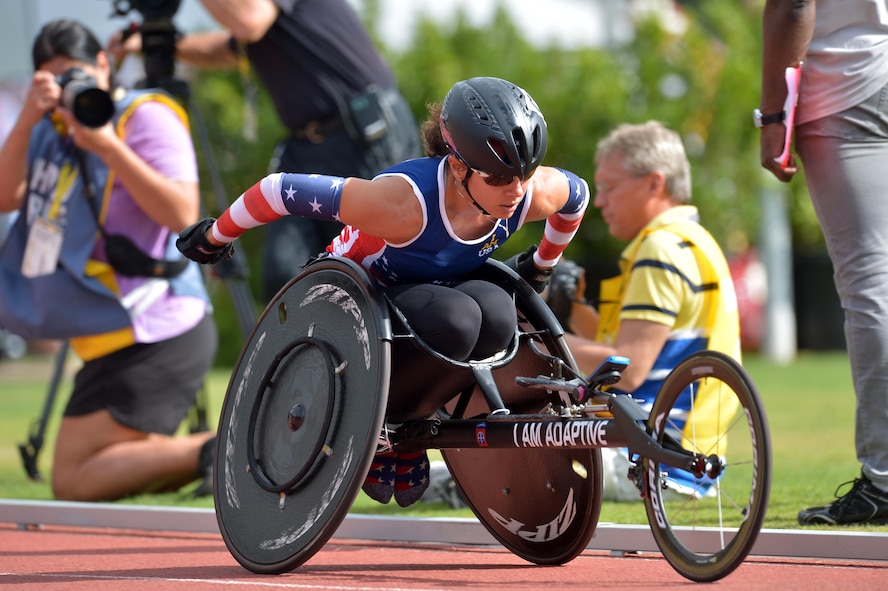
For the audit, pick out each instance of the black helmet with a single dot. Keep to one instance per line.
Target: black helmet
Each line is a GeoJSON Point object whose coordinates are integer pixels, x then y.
{"type": "Point", "coordinates": [495, 127]}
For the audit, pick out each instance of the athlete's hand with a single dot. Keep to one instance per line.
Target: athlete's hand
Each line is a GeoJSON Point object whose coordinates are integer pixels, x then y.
{"type": "Point", "coordinates": [193, 244]}
{"type": "Point", "coordinates": [568, 285]}
{"type": "Point", "coordinates": [523, 264]}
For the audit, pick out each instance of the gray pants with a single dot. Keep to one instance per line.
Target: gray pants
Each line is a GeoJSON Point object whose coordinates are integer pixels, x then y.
{"type": "Point", "coordinates": [844, 157]}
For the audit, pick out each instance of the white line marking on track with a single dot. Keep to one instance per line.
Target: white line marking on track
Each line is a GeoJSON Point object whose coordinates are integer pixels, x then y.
{"type": "Point", "coordinates": [279, 585]}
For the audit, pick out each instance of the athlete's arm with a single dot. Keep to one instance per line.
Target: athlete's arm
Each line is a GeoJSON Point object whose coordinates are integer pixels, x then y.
{"type": "Point", "coordinates": [562, 225]}
{"type": "Point", "coordinates": [384, 207]}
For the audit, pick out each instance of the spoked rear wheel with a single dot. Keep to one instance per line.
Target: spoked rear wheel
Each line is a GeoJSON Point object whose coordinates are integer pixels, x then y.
{"type": "Point", "coordinates": [706, 526]}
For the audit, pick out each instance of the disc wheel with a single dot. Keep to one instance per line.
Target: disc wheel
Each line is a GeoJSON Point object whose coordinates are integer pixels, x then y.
{"type": "Point", "coordinates": [707, 527]}
{"type": "Point", "coordinates": [542, 505]}
{"type": "Point", "coordinates": [301, 417]}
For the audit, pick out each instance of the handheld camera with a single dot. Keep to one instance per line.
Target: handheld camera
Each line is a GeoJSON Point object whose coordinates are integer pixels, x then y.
{"type": "Point", "coordinates": [91, 105]}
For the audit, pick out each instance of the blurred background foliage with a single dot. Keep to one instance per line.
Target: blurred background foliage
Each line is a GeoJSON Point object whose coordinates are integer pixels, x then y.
{"type": "Point", "coordinates": [702, 81]}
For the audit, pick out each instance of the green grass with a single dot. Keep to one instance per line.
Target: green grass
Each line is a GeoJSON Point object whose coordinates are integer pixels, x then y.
{"type": "Point", "coordinates": [810, 407]}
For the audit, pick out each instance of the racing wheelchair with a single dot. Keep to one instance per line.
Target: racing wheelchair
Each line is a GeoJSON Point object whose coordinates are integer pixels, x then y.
{"type": "Point", "coordinates": [332, 373]}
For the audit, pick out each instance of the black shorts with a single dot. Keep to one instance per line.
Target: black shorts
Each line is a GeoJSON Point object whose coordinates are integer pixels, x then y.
{"type": "Point", "coordinates": [149, 387]}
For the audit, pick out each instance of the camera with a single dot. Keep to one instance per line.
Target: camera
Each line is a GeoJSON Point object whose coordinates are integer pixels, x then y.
{"type": "Point", "coordinates": [91, 105]}
{"type": "Point", "coordinates": [149, 9]}
{"type": "Point", "coordinates": [159, 36]}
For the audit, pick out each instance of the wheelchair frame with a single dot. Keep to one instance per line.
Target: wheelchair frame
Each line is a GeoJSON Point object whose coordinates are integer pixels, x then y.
{"type": "Point", "coordinates": [537, 448]}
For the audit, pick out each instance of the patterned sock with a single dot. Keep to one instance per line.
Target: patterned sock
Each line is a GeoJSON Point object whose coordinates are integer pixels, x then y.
{"type": "Point", "coordinates": [380, 481]}
{"type": "Point", "coordinates": [412, 477]}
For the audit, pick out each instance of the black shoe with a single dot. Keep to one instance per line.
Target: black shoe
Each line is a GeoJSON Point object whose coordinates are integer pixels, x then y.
{"type": "Point", "coordinates": [863, 504]}
{"type": "Point", "coordinates": [205, 488]}
{"type": "Point", "coordinates": [205, 465]}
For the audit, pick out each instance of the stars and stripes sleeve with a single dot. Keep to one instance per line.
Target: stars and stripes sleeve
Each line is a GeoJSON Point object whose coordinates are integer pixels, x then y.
{"type": "Point", "coordinates": [562, 226]}
{"type": "Point", "coordinates": [277, 195]}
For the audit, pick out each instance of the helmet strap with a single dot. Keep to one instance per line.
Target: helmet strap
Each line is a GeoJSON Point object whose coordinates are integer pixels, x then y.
{"type": "Point", "coordinates": [465, 184]}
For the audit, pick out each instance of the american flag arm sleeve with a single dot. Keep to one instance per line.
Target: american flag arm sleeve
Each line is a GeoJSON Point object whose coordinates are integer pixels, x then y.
{"type": "Point", "coordinates": [277, 195]}
{"type": "Point", "coordinates": [562, 226]}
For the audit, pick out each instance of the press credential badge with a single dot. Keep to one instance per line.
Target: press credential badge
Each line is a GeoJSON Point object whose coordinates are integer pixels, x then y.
{"type": "Point", "coordinates": [45, 238]}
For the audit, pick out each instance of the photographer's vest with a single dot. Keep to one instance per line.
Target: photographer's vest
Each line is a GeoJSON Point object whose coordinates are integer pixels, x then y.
{"type": "Point", "coordinates": [79, 297]}
{"type": "Point", "coordinates": [717, 326]}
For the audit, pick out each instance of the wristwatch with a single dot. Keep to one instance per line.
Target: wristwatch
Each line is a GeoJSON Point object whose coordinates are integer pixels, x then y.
{"type": "Point", "coordinates": [760, 119]}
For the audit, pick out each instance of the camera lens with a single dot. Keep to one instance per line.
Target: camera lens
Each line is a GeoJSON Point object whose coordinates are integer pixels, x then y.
{"type": "Point", "coordinates": [91, 105]}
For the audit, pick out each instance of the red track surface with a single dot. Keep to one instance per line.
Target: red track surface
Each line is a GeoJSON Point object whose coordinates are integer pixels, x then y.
{"type": "Point", "coordinates": [74, 559]}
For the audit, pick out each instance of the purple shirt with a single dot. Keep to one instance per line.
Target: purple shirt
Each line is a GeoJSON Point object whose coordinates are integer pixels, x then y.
{"type": "Point", "coordinates": [159, 137]}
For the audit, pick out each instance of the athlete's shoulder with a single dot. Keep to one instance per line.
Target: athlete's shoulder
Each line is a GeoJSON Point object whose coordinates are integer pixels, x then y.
{"type": "Point", "coordinates": [415, 166]}
{"type": "Point", "coordinates": [422, 172]}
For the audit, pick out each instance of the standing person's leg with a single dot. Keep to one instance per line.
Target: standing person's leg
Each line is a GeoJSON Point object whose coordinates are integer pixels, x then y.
{"type": "Point", "coordinates": [844, 158]}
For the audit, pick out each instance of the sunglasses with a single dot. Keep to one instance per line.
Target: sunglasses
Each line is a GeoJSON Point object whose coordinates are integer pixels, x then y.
{"type": "Point", "coordinates": [494, 180]}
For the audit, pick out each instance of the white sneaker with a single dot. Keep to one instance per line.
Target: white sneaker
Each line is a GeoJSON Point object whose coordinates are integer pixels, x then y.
{"type": "Point", "coordinates": [618, 488]}
{"type": "Point", "coordinates": [615, 467]}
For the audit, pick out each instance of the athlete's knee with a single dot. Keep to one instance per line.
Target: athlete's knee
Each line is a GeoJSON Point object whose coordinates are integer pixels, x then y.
{"type": "Point", "coordinates": [498, 317]}
{"type": "Point", "coordinates": [447, 320]}
{"type": "Point", "coordinates": [454, 333]}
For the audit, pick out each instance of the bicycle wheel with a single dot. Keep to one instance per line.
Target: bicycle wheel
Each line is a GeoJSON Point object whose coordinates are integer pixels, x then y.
{"type": "Point", "coordinates": [706, 526]}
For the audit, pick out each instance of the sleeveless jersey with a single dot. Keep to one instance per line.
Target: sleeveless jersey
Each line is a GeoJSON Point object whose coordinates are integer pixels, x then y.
{"type": "Point", "coordinates": [437, 254]}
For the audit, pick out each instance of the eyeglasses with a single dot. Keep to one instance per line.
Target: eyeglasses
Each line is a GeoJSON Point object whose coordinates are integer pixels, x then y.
{"type": "Point", "coordinates": [611, 184]}
{"type": "Point", "coordinates": [494, 180]}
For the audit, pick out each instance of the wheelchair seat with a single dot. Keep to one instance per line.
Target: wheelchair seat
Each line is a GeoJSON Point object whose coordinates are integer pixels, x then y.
{"type": "Point", "coordinates": [424, 380]}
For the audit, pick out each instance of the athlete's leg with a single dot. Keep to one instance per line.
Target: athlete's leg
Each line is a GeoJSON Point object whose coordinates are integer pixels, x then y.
{"type": "Point", "coordinates": [498, 317]}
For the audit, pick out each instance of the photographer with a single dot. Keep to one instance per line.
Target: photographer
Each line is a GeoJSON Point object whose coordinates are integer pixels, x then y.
{"type": "Point", "coordinates": [331, 88]}
{"type": "Point", "coordinates": [332, 91]}
{"type": "Point", "coordinates": [90, 258]}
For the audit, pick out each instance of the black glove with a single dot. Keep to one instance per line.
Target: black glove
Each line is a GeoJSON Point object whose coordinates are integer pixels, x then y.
{"type": "Point", "coordinates": [193, 244]}
{"type": "Point", "coordinates": [563, 289]}
{"type": "Point", "coordinates": [523, 265]}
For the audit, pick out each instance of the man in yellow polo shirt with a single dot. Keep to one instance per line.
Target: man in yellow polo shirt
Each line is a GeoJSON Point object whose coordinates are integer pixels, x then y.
{"type": "Point", "coordinates": [674, 294]}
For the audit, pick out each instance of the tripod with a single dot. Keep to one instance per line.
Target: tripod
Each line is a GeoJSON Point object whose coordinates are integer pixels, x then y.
{"type": "Point", "coordinates": [233, 271]}
{"type": "Point", "coordinates": [159, 49]}
{"type": "Point", "coordinates": [158, 38]}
